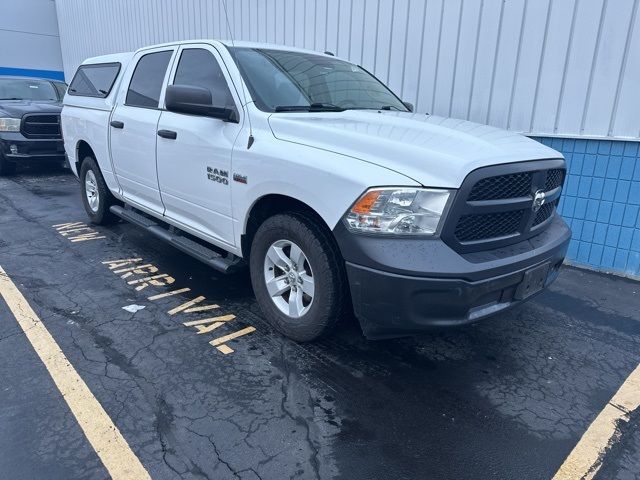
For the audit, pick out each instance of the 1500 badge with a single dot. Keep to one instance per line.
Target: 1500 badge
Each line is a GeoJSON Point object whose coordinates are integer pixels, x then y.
{"type": "Point", "coordinates": [220, 176]}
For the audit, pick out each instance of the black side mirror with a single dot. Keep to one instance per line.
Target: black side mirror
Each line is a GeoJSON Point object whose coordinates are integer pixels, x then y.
{"type": "Point", "coordinates": [409, 106]}
{"type": "Point", "coordinates": [194, 101]}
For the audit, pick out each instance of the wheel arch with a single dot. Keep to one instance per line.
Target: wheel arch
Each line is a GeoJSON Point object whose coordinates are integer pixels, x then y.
{"type": "Point", "coordinates": [83, 149]}
{"type": "Point", "coordinates": [272, 204]}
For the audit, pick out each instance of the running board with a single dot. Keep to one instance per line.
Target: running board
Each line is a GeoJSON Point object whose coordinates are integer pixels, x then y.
{"type": "Point", "coordinates": [225, 264]}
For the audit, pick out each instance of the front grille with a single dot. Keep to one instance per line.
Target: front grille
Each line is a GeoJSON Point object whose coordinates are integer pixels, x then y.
{"type": "Point", "coordinates": [41, 125]}
{"type": "Point", "coordinates": [502, 186]}
{"type": "Point", "coordinates": [489, 225]}
{"type": "Point", "coordinates": [545, 212]}
{"type": "Point", "coordinates": [494, 206]}
{"type": "Point", "coordinates": [555, 178]}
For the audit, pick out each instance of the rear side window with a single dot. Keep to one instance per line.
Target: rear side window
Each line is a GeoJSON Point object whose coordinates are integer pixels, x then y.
{"type": "Point", "coordinates": [94, 80]}
{"type": "Point", "coordinates": [146, 82]}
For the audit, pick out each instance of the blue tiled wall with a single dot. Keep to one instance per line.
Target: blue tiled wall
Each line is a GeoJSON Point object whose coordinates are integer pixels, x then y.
{"type": "Point", "coordinates": [601, 200]}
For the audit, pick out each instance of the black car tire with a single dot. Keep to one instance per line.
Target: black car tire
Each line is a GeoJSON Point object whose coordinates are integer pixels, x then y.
{"type": "Point", "coordinates": [99, 214]}
{"type": "Point", "coordinates": [6, 167]}
{"type": "Point", "coordinates": [323, 259]}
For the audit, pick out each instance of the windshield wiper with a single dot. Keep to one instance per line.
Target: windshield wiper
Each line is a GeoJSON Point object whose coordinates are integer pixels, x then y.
{"type": "Point", "coordinates": [11, 98]}
{"type": "Point", "coordinates": [314, 107]}
{"type": "Point", "coordinates": [383, 107]}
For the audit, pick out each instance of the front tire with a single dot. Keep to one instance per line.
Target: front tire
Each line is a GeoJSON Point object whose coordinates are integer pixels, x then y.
{"type": "Point", "coordinates": [96, 197]}
{"type": "Point", "coordinates": [298, 276]}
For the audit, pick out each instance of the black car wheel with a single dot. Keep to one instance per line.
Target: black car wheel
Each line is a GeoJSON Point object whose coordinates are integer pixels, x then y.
{"type": "Point", "coordinates": [96, 197]}
{"type": "Point", "coordinates": [298, 276]}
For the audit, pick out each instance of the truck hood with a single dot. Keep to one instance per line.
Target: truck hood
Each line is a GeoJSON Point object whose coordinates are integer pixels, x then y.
{"type": "Point", "coordinates": [17, 108]}
{"type": "Point", "coordinates": [434, 151]}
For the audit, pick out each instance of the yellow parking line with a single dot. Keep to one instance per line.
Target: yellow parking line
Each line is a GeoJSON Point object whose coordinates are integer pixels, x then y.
{"type": "Point", "coordinates": [168, 294]}
{"type": "Point", "coordinates": [64, 226]}
{"type": "Point", "coordinates": [586, 458]}
{"type": "Point", "coordinates": [67, 232]}
{"type": "Point", "coordinates": [146, 279]}
{"type": "Point", "coordinates": [207, 325]}
{"type": "Point", "coordinates": [103, 435]}
{"type": "Point", "coordinates": [201, 309]}
{"type": "Point", "coordinates": [151, 268]}
{"type": "Point", "coordinates": [86, 236]}
{"type": "Point", "coordinates": [225, 349]}
{"type": "Point", "coordinates": [221, 318]}
{"type": "Point", "coordinates": [218, 341]}
{"type": "Point", "coordinates": [120, 263]}
{"type": "Point", "coordinates": [185, 305]}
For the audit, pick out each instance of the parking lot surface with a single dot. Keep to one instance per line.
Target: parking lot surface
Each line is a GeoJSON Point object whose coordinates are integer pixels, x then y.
{"type": "Point", "coordinates": [201, 387]}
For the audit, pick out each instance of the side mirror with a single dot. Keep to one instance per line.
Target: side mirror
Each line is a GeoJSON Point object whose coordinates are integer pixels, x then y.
{"type": "Point", "coordinates": [409, 106]}
{"type": "Point", "coordinates": [194, 101]}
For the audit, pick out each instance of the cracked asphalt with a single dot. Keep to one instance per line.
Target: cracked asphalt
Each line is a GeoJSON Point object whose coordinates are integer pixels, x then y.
{"type": "Point", "coordinates": [506, 398]}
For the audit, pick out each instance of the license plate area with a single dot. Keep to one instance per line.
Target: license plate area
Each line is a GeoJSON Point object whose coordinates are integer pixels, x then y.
{"type": "Point", "coordinates": [533, 281]}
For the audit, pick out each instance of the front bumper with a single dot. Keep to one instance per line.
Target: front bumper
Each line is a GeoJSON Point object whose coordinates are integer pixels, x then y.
{"type": "Point", "coordinates": [402, 286]}
{"type": "Point", "coordinates": [16, 148]}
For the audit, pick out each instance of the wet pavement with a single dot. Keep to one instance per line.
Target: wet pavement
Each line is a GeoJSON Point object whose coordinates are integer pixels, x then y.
{"type": "Point", "coordinates": [506, 398]}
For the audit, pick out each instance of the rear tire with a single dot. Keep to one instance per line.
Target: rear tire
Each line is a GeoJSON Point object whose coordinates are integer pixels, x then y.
{"type": "Point", "coordinates": [292, 255]}
{"type": "Point", "coordinates": [96, 197]}
{"type": "Point", "coordinates": [6, 167]}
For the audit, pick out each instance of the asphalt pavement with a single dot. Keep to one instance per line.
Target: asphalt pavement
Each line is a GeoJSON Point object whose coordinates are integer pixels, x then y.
{"type": "Point", "coordinates": [229, 398]}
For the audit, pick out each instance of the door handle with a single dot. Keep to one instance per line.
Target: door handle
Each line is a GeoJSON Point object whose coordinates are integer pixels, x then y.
{"type": "Point", "coordinates": [167, 134]}
{"type": "Point", "coordinates": [116, 124]}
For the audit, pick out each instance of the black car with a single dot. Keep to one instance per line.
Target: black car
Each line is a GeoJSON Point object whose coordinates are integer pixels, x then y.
{"type": "Point", "coordinates": [30, 122]}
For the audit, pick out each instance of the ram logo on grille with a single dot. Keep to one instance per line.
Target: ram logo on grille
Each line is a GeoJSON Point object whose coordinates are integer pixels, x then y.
{"type": "Point", "coordinates": [538, 200]}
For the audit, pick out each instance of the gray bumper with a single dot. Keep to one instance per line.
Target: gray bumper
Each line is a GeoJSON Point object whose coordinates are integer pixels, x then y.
{"type": "Point", "coordinates": [401, 286]}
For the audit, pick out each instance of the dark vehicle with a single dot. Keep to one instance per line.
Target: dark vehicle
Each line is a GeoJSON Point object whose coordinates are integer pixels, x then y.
{"type": "Point", "coordinates": [30, 122]}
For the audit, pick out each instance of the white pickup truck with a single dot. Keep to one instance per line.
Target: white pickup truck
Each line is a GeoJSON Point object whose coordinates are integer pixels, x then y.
{"type": "Point", "coordinates": [312, 172]}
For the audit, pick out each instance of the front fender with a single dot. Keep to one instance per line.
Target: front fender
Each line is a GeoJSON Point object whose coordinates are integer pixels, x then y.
{"type": "Point", "coordinates": [327, 182]}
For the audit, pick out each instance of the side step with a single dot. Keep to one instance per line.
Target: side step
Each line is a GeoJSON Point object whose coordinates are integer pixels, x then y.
{"type": "Point", "coordinates": [225, 264]}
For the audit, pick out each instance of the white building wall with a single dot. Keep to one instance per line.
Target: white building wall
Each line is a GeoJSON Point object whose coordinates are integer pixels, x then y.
{"type": "Point", "coordinates": [542, 67]}
{"type": "Point", "coordinates": [29, 41]}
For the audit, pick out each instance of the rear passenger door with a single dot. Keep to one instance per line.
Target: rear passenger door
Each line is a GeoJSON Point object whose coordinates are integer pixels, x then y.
{"type": "Point", "coordinates": [133, 128]}
{"type": "Point", "coordinates": [194, 168]}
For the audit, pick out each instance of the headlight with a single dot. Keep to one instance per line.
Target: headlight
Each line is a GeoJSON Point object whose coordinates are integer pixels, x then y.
{"type": "Point", "coordinates": [9, 124]}
{"type": "Point", "coordinates": [404, 211]}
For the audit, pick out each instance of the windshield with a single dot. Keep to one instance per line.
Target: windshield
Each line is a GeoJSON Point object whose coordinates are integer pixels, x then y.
{"type": "Point", "coordinates": [281, 80]}
{"type": "Point", "coordinates": [27, 89]}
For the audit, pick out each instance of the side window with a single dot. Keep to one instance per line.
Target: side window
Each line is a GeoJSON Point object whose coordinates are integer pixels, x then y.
{"type": "Point", "coordinates": [146, 82]}
{"type": "Point", "coordinates": [94, 80]}
{"type": "Point", "coordinates": [199, 68]}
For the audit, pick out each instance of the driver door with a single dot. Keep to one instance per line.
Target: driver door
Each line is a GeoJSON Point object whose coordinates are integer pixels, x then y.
{"type": "Point", "coordinates": [194, 168]}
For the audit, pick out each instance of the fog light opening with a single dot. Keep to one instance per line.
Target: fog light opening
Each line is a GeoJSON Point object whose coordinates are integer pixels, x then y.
{"type": "Point", "coordinates": [13, 149]}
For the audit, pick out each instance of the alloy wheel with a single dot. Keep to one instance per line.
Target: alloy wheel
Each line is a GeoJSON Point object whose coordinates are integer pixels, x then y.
{"type": "Point", "coordinates": [91, 191]}
{"type": "Point", "coordinates": [289, 278]}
